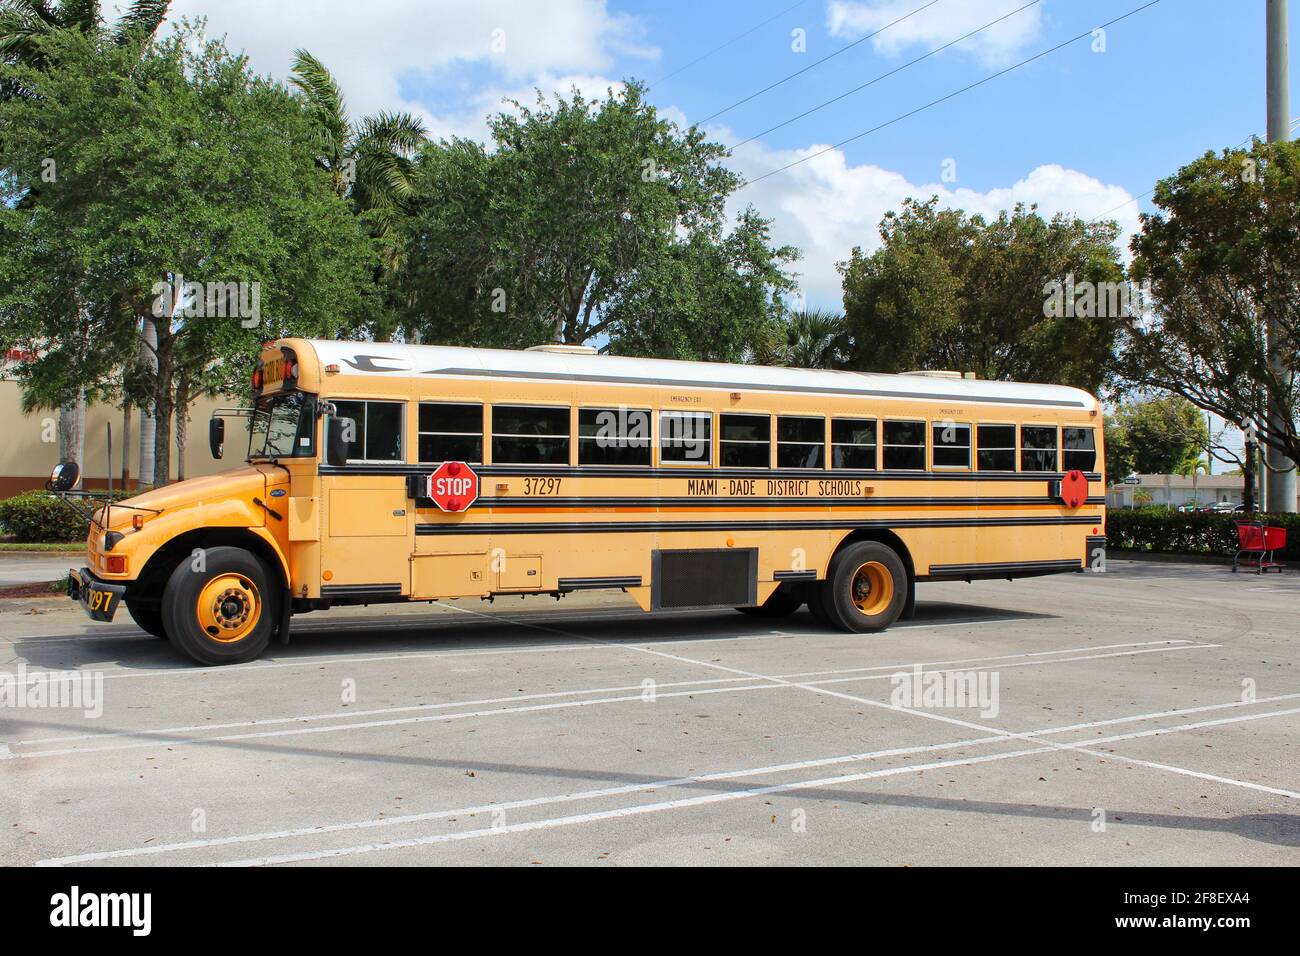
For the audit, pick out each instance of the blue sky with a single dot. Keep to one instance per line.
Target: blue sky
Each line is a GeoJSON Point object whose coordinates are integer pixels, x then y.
{"type": "Point", "coordinates": [1078, 131]}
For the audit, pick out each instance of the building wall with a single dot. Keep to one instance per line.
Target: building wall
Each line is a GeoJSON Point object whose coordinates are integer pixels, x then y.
{"type": "Point", "coordinates": [31, 445]}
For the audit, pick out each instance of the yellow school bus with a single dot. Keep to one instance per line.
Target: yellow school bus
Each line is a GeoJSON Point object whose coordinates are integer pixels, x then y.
{"type": "Point", "coordinates": [383, 472]}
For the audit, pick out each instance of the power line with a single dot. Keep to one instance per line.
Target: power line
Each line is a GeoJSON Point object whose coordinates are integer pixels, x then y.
{"type": "Point", "coordinates": [816, 63]}
{"type": "Point", "coordinates": [955, 93]}
{"type": "Point", "coordinates": [722, 46]}
{"type": "Point", "coordinates": [882, 76]}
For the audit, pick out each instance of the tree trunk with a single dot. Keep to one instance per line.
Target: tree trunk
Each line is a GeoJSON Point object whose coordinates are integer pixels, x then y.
{"type": "Point", "coordinates": [72, 431]}
{"type": "Point", "coordinates": [148, 425]}
{"type": "Point", "coordinates": [182, 424]}
{"type": "Point", "coordinates": [126, 444]}
{"type": "Point", "coordinates": [164, 402]}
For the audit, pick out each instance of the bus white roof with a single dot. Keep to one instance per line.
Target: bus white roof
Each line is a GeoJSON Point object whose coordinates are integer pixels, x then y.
{"type": "Point", "coordinates": [382, 358]}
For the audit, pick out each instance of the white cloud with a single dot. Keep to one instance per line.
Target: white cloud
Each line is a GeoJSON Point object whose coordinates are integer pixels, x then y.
{"type": "Point", "coordinates": [826, 206]}
{"type": "Point", "coordinates": [371, 48]}
{"type": "Point", "coordinates": [998, 45]}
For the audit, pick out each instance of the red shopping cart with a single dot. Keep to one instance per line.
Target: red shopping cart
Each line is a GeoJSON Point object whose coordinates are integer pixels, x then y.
{"type": "Point", "coordinates": [1257, 545]}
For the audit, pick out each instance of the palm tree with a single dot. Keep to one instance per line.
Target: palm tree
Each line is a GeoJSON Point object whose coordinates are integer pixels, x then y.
{"type": "Point", "coordinates": [370, 163]}
{"type": "Point", "coordinates": [23, 25]}
{"type": "Point", "coordinates": [812, 339]}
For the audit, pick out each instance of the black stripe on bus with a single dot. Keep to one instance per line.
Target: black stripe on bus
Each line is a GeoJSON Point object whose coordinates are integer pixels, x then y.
{"type": "Point", "coordinates": [590, 584]}
{"type": "Point", "coordinates": [794, 575]}
{"type": "Point", "coordinates": [683, 527]}
{"type": "Point", "coordinates": [1003, 568]}
{"type": "Point", "coordinates": [973, 399]}
{"type": "Point", "coordinates": [595, 501]}
{"type": "Point", "coordinates": [687, 472]}
{"type": "Point", "coordinates": [359, 590]}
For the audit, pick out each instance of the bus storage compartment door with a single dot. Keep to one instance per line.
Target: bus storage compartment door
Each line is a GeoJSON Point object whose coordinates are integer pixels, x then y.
{"type": "Point", "coordinates": [518, 572]}
{"type": "Point", "coordinates": [367, 512]}
{"type": "Point", "coordinates": [460, 574]}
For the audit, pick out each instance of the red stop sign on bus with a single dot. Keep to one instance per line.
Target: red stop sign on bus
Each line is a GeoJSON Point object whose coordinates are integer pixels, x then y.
{"type": "Point", "coordinates": [453, 487]}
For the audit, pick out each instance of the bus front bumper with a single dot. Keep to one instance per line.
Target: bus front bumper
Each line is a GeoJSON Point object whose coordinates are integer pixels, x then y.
{"type": "Point", "coordinates": [99, 599]}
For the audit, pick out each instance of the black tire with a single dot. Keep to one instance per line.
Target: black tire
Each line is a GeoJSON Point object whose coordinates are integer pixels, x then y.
{"type": "Point", "coordinates": [238, 613]}
{"type": "Point", "coordinates": [782, 602]}
{"type": "Point", "coordinates": [147, 616]}
{"type": "Point", "coordinates": [866, 587]}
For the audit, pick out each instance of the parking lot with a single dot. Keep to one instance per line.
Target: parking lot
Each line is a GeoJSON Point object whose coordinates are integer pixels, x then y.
{"type": "Point", "coordinates": [1149, 715]}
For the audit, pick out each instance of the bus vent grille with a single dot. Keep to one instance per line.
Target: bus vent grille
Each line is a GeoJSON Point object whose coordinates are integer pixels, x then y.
{"type": "Point", "coordinates": [705, 577]}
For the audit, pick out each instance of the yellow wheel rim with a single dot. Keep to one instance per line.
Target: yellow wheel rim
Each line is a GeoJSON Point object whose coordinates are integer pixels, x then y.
{"type": "Point", "coordinates": [872, 588]}
{"type": "Point", "coordinates": [228, 608]}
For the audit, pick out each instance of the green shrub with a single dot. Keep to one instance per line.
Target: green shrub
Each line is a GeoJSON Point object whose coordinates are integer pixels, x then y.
{"type": "Point", "coordinates": [1167, 531]}
{"type": "Point", "coordinates": [38, 516]}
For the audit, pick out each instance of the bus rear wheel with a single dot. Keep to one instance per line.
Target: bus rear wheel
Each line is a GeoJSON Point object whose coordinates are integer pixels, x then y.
{"type": "Point", "coordinates": [782, 602]}
{"type": "Point", "coordinates": [865, 588]}
{"type": "Point", "coordinates": [224, 612]}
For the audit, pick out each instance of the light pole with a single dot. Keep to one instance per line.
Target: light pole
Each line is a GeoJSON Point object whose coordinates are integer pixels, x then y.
{"type": "Point", "coordinates": [1281, 473]}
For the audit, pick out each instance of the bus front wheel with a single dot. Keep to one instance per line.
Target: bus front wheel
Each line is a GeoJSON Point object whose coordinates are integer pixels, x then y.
{"type": "Point", "coordinates": [147, 616]}
{"type": "Point", "coordinates": [223, 608]}
{"type": "Point", "coordinates": [865, 588]}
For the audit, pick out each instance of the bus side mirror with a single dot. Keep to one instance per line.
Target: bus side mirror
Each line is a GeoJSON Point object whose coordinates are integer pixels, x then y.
{"type": "Point", "coordinates": [337, 433]}
{"type": "Point", "coordinates": [64, 477]}
{"type": "Point", "coordinates": [216, 436]}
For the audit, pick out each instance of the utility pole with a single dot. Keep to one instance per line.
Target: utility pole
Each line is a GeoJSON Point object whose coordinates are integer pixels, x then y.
{"type": "Point", "coordinates": [1281, 474]}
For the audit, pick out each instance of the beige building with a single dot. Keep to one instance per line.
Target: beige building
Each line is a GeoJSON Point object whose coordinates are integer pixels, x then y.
{"type": "Point", "coordinates": [32, 448]}
{"type": "Point", "coordinates": [1176, 491]}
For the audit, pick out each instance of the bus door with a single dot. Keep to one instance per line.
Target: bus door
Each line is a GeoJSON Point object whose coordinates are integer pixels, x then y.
{"type": "Point", "coordinates": [369, 523]}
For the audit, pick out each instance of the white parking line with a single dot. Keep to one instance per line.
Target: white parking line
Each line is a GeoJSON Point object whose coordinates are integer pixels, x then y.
{"type": "Point", "coordinates": [480, 702]}
{"type": "Point", "coordinates": [639, 809]}
{"type": "Point", "coordinates": [927, 714]}
{"type": "Point", "coordinates": [158, 737]}
{"type": "Point", "coordinates": [406, 819]}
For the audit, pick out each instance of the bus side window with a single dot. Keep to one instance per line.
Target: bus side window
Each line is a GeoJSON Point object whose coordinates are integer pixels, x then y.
{"type": "Point", "coordinates": [685, 438]}
{"type": "Point", "coordinates": [1078, 449]}
{"type": "Point", "coordinates": [378, 433]}
{"type": "Point", "coordinates": [997, 447]}
{"type": "Point", "coordinates": [800, 442]}
{"type": "Point", "coordinates": [1038, 448]}
{"type": "Point", "coordinates": [530, 435]}
{"type": "Point", "coordinates": [451, 432]}
{"type": "Point", "coordinates": [853, 443]}
{"type": "Point", "coordinates": [745, 441]}
{"type": "Point", "coordinates": [614, 436]}
{"type": "Point", "coordinates": [951, 444]}
{"type": "Point", "coordinates": [904, 446]}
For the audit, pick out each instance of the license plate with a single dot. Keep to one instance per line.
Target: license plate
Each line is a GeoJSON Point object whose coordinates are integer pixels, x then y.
{"type": "Point", "coordinates": [99, 601]}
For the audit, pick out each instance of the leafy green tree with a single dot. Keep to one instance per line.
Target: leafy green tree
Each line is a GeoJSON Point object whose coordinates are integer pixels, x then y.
{"type": "Point", "coordinates": [948, 290]}
{"type": "Point", "coordinates": [24, 24]}
{"type": "Point", "coordinates": [1157, 436]}
{"type": "Point", "coordinates": [589, 221]}
{"type": "Point", "coordinates": [1220, 257]}
{"type": "Point", "coordinates": [207, 177]}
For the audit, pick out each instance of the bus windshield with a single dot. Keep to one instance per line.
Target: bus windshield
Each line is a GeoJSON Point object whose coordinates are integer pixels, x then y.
{"type": "Point", "coordinates": [283, 426]}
